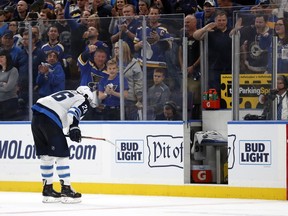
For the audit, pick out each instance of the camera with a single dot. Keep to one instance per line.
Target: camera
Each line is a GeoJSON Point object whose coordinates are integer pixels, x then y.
{"type": "Point", "coordinates": [254, 117]}
{"type": "Point", "coordinates": [274, 91]}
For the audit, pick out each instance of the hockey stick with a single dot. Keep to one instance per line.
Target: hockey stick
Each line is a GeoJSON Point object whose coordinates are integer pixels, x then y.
{"type": "Point", "coordinates": [97, 138]}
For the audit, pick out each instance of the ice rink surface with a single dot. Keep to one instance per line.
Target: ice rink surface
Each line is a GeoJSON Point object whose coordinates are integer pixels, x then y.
{"type": "Point", "coordinates": [14, 203]}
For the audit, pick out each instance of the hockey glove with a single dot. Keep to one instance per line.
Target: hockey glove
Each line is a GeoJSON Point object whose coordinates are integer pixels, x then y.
{"type": "Point", "coordinates": [75, 134]}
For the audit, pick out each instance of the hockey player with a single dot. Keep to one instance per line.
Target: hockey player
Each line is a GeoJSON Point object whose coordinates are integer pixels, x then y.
{"type": "Point", "coordinates": [51, 115]}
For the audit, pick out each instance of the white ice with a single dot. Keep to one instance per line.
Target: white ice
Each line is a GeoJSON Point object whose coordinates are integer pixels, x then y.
{"type": "Point", "coordinates": [15, 203]}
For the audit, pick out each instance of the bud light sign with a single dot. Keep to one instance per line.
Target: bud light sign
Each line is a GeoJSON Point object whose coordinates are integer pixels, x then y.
{"type": "Point", "coordinates": [130, 151]}
{"type": "Point", "coordinates": [255, 152]}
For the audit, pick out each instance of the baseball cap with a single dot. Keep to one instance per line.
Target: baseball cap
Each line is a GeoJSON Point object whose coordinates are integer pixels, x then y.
{"type": "Point", "coordinates": [7, 34]}
{"type": "Point", "coordinates": [9, 9]}
{"type": "Point", "coordinates": [211, 2]}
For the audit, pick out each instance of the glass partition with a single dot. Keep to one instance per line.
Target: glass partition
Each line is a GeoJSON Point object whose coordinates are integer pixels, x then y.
{"type": "Point", "coordinates": [256, 59]}
{"type": "Point", "coordinates": [239, 56]}
{"type": "Point", "coordinates": [56, 54]}
{"type": "Point", "coordinates": [149, 49]}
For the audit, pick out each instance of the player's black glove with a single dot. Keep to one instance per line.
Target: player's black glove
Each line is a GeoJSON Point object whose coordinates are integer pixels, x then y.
{"type": "Point", "coordinates": [75, 134]}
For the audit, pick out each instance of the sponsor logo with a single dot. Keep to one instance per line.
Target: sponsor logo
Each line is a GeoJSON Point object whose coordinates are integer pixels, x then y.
{"type": "Point", "coordinates": [15, 149]}
{"type": "Point", "coordinates": [82, 152]}
{"type": "Point", "coordinates": [255, 152]}
{"type": "Point", "coordinates": [252, 87]}
{"type": "Point", "coordinates": [130, 151]}
{"type": "Point", "coordinates": [165, 151]}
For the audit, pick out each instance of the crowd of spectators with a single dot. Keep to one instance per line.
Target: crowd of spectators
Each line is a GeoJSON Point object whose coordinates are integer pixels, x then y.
{"type": "Point", "coordinates": [72, 41]}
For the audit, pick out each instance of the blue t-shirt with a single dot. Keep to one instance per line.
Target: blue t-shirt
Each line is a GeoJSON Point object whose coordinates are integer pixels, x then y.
{"type": "Point", "coordinates": [3, 29]}
{"type": "Point", "coordinates": [159, 47]}
{"type": "Point", "coordinates": [112, 100]}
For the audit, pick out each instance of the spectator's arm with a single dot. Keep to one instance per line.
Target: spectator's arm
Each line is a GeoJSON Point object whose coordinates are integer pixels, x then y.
{"type": "Point", "coordinates": [71, 22]}
{"type": "Point", "coordinates": [84, 57]}
{"type": "Point", "coordinates": [200, 33]}
{"type": "Point", "coordinates": [101, 90]}
{"type": "Point", "coordinates": [102, 95]}
{"type": "Point", "coordinates": [115, 37]}
{"type": "Point", "coordinates": [138, 81]}
{"type": "Point", "coordinates": [67, 10]}
{"type": "Point", "coordinates": [190, 68]}
{"type": "Point", "coordinates": [180, 56]}
{"type": "Point", "coordinates": [117, 94]}
{"type": "Point", "coordinates": [237, 27]}
{"type": "Point", "coordinates": [42, 74]}
{"type": "Point", "coordinates": [57, 76]}
{"type": "Point", "coordinates": [138, 45]}
{"type": "Point", "coordinates": [12, 81]}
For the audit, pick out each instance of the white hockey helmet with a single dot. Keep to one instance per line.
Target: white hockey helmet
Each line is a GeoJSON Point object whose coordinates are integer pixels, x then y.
{"type": "Point", "coordinates": [86, 92]}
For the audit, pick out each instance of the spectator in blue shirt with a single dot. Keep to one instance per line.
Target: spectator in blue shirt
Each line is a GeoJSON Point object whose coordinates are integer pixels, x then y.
{"type": "Point", "coordinates": [109, 92]}
{"type": "Point", "coordinates": [157, 37]}
{"type": "Point", "coordinates": [3, 25]}
{"type": "Point", "coordinates": [127, 27]}
{"type": "Point", "coordinates": [51, 76]}
{"type": "Point", "coordinates": [92, 72]}
{"type": "Point", "coordinates": [207, 15]}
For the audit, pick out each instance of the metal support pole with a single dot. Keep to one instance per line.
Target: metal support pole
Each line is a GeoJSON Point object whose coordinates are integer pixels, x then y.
{"type": "Point", "coordinates": [235, 75]}
{"type": "Point", "coordinates": [205, 61]}
{"type": "Point", "coordinates": [202, 68]}
{"type": "Point", "coordinates": [121, 77]}
{"type": "Point", "coordinates": [184, 81]}
{"type": "Point", "coordinates": [30, 70]}
{"type": "Point", "coordinates": [144, 102]}
{"type": "Point", "coordinates": [274, 73]}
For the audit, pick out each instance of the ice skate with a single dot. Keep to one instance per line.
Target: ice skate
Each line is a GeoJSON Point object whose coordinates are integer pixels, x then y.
{"type": "Point", "coordinates": [68, 195]}
{"type": "Point", "coordinates": [50, 195]}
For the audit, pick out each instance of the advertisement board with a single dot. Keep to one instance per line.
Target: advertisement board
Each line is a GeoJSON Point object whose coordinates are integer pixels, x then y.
{"type": "Point", "coordinates": [252, 89]}
{"type": "Point", "coordinates": [144, 153]}
{"type": "Point", "coordinates": [256, 154]}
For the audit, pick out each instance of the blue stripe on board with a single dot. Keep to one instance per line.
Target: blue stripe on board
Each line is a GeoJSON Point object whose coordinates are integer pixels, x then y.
{"type": "Point", "coordinates": [257, 122]}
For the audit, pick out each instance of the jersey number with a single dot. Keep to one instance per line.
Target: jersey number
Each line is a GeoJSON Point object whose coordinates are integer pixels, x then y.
{"type": "Point", "coordinates": [62, 95]}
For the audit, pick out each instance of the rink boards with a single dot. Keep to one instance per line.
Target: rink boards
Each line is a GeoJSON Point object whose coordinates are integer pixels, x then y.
{"type": "Point", "coordinates": [150, 158]}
